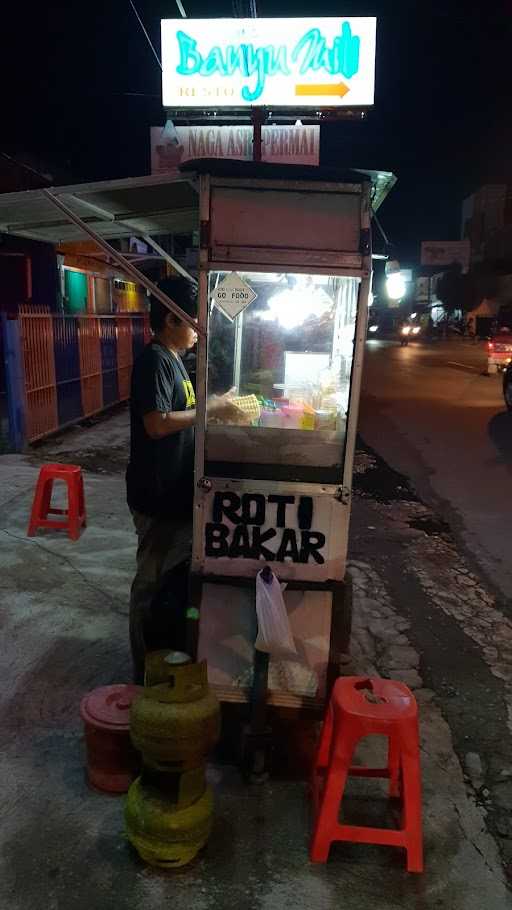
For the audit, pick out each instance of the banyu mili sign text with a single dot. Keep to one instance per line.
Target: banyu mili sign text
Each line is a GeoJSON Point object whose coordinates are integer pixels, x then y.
{"type": "Point", "coordinates": [288, 63]}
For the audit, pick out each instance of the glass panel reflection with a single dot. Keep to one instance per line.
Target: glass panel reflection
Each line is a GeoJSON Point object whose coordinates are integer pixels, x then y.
{"type": "Point", "coordinates": [288, 358]}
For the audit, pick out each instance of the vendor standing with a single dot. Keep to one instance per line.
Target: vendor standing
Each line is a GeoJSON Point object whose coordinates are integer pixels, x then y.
{"type": "Point", "coordinates": [160, 472]}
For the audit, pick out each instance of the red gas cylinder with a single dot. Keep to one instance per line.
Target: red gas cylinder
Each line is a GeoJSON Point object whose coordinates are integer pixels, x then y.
{"type": "Point", "coordinates": [112, 762]}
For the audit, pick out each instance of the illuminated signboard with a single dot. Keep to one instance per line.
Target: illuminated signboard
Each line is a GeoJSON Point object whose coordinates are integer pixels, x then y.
{"type": "Point", "coordinates": [239, 63]}
{"type": "Point", "coordinates": [173, 145]}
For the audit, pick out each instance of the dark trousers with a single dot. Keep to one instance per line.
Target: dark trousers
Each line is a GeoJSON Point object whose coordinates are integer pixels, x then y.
{"type": "Point", "coordinates": [163, 544]}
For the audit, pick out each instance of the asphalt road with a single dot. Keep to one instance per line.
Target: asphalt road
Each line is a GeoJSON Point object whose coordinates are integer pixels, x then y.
{"type": "Point", "coordinates": [431, 414]}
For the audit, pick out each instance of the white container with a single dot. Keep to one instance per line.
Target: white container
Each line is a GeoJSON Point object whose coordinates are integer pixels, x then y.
{"type": "Point", "coordinates": [271, 418]}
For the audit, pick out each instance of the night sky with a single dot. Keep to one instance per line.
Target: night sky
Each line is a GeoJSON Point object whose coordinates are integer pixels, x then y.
{"type": "Point", "coordinates": [80, 88]}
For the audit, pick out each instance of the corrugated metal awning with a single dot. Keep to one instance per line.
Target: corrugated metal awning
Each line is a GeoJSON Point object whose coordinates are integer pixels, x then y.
{"type": "Point", "coordinates": [112, 208]}
{"type": "Point", "coordinates": [149, 205]}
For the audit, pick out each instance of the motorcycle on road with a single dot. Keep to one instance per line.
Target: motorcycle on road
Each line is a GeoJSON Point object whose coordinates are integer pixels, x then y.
{"type": "Point", "coordinates": [407, 333]}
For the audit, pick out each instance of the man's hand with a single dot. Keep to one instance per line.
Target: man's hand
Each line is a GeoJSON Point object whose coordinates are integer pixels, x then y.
{"type": "Point", "coordinates": [223, 409]}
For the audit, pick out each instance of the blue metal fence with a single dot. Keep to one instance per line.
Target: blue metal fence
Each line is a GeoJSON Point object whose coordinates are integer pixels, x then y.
{"type": "Point", "coordinates": [67, 369]}
{"type": "Point", "coordinates": [139, 334]}
{"type": "Point", "coordinates": [108, 341]}
{"type": "Point", "coordinates": [59, 369]}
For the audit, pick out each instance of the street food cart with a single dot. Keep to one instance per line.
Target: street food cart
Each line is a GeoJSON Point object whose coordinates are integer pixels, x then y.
{"type": "Point", "coordinates": [284, 279]}
{"type": "Point", "coordinates": [285, 274]}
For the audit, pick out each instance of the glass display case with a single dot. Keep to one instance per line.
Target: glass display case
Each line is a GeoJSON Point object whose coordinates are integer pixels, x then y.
{"type": "Point", "coordinates": [284, 277]}
{"type": "Point", "coordinates": [287, 357]}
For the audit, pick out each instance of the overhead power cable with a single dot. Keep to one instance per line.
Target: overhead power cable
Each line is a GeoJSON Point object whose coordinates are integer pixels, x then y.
{"type": "Point", "coordinates": [143, 27]}
{"type": "Point", "coordinates": [245, 9]}
{"type": "Point", "coordinates": [25, 167]}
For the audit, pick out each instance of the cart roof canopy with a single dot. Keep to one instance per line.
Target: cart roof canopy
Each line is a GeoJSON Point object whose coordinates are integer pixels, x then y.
{"type": "Point", "coordinates": [151, 205]}
{"type": "Point", "coordinates": [112, 208]}
{"type": "Point", "coordinates": [382, 181]}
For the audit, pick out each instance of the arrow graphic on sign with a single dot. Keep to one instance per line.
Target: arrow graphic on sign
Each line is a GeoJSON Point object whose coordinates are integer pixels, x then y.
{"type": "Point", "coordinates": [339, 89]}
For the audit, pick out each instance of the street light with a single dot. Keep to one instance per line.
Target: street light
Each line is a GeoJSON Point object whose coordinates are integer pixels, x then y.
{"type": "Point", "coordinates": [395, 286]}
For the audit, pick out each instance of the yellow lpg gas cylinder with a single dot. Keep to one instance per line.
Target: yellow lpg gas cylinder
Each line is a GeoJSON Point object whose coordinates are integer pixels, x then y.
{"type": "Point", "coordinates": [161, 835]}
{"type": "Point", "coordinates": [176, 721]}
{"type": "Point", "coordinates": [181, 788]}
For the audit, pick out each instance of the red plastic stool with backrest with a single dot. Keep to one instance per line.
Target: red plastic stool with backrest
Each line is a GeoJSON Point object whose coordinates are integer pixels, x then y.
{"type": "Point", "coordinates": [362, 707]}
{"type": "Point", "coordinates": [75, 517]}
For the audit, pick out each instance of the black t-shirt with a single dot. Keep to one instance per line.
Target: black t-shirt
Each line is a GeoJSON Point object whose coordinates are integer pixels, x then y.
{"type": "Point", "coordinates": [159, 478]}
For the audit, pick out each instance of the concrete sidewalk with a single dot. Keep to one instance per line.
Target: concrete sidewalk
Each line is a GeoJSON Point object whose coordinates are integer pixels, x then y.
{"type": "Point", "coordinates": [64, 616]}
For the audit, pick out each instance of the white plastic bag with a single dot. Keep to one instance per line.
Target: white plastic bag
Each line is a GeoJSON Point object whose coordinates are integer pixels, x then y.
{"type": "Point", "coordinates": [274, 632]}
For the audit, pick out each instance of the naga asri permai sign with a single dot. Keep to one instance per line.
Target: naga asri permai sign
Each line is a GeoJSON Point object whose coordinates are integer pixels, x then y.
{"type": "Point", "coordinates": [172, 145]}
{"type": "Point", "coordinates": [290, 63]}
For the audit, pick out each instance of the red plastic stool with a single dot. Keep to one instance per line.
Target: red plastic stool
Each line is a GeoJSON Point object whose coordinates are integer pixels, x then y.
{"type": "Point", "coordinates": [361, 707]}
{"type": "Point", "coordinates": [41, 507]}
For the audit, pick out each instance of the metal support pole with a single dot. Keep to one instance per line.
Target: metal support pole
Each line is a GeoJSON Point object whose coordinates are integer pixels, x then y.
{"type": "Point", "coordinates": [239, 323]}
{"type": "Point", "coordinates": [14, 381]}
{"type": "Point", "coordinates": [98, 210]}
{"type": "Point", "coordinates": [168, 258]}
{"type": "Point", "coordinates": [127, 266]}
{"type": "Point", "coordinates": [361, 327]}
{"type": "Point", "coordinates": [258, 118]}
{"type": "Point", "coordinates": [381, 229]}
